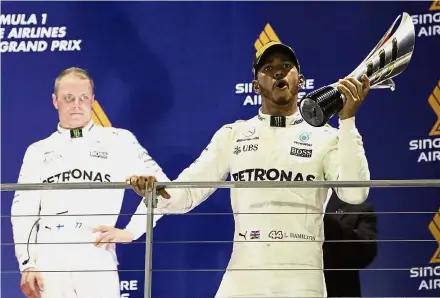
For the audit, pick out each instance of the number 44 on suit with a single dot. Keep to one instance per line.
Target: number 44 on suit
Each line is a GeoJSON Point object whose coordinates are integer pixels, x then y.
{"type": "Point", "coordinates": [277, 235]}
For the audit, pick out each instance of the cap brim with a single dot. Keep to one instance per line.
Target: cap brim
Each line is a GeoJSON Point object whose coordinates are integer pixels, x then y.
{"type": "Point", "coordinates": [271, 48]}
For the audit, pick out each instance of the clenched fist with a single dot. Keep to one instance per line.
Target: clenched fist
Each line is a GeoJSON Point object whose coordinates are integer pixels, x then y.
{"type": "Point", "coordinates": [355, 92]}
{"type": "Point", "coordinates": [142, 183]}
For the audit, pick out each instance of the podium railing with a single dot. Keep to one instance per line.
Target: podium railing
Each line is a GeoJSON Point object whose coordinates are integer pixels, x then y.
{"type": "Point", "coordinates": [151, 197]}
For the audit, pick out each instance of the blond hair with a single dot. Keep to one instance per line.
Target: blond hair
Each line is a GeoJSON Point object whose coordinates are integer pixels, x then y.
{"type": "Point", "coordinates": [76, 71]}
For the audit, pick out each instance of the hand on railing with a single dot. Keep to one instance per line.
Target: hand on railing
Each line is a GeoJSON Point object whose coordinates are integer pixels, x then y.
{"type": "Point", "coordinates": [142, 183]}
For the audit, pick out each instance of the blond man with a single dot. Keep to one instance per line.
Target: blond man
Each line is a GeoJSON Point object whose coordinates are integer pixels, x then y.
{"type": "Point", "coordinates": [65, 238]}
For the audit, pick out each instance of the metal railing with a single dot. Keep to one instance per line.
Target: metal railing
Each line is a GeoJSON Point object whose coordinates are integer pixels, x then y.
{"type": "Point", "coordinates": [151, 197]}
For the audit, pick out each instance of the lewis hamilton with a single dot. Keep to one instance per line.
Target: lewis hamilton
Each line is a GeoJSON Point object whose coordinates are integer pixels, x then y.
{"type": "Point", "coordinates": [279, 254]}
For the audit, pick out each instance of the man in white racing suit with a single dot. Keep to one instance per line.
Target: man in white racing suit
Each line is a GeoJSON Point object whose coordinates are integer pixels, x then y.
{"type": "Point", "coordinates": [71, 232]}
{"type": "Point", "coordinates": [278, 249]}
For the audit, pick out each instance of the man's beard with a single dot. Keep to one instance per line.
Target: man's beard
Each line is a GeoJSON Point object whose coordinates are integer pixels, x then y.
{"type": "Point", "coordinates": [284, 101]}
{"type": "Point", "coordinates": [280, 101]}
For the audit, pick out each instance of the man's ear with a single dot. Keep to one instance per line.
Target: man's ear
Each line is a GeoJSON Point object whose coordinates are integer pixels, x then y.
{"type": "Point", "coordinates": [54, 101]}
{"type": "Point", "coordinates": [256, 86]}
{"type": "Point", "coordinates": [301, 81]}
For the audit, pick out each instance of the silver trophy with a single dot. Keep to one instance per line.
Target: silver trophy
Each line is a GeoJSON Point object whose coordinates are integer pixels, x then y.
{"type": "Point", "coordinates": [389, 58]}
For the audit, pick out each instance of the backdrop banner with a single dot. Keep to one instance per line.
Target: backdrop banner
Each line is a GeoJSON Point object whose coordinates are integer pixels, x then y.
{"type": "Point", "coordinates": [175, 72]}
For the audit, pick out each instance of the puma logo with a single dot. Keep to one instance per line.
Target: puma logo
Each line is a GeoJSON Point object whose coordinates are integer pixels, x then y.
{"type": "Point", "coordinates": [243, 235]}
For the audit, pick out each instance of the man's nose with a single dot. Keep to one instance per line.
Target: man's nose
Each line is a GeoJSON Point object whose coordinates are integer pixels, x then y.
{"type": "Point", "coordinates": [76, 102]}
{"type": "Point", "coordinates": [279, 74]}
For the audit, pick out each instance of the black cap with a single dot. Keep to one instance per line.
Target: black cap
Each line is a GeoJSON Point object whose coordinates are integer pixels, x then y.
{"type": "Point", "coordinates": [269, 48]}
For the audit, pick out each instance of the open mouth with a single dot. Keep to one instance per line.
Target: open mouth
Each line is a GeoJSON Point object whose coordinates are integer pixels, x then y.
{"type": "Point", "coordinates": [281, 84]}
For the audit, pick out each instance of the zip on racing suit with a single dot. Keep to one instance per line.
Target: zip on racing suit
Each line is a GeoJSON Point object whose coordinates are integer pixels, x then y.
{"type": "Point", "coordinates": [281, 253]}
{"type": "Point", "coordinates": [91, 154]}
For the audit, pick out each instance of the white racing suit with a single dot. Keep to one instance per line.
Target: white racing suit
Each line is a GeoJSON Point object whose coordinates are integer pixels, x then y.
{"type": "Point", "coordinates": [277, 254]}
{"type": "Point", "coordinates": [49, 218]}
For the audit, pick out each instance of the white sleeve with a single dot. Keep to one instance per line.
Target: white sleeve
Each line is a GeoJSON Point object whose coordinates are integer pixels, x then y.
{"type": "Point", "coordinates": [212, 165]}
{"type": "Point", "coordinates": [139, 162]}
{"type": "Point", "coordinates": [346, 161]}
{"type": "Point", "coordinates": [25, 210]}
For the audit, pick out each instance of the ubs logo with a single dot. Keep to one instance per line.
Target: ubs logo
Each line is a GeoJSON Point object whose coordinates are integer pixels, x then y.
{"type": "Point", "coordinates": [245, 148]}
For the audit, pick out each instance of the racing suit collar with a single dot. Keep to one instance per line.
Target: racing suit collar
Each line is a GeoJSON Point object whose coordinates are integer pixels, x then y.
{"type": "Point", "coordinates": [75, 132]}
{"type": "Point", "coordinates": [280, 121]}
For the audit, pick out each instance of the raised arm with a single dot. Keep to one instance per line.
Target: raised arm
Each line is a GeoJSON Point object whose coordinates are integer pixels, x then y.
{"type": "Point", "coordinates": [346, 161]}
{"type": "Point", "coordinates": [25, 210]}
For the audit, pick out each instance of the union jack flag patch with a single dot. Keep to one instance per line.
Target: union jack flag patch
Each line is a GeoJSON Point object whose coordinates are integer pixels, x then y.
{"type": "Point", "coordinates": [255, 235]}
